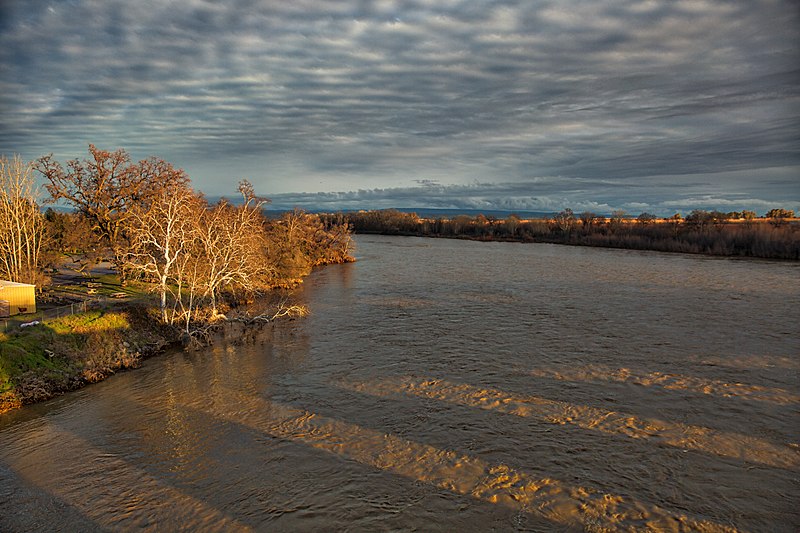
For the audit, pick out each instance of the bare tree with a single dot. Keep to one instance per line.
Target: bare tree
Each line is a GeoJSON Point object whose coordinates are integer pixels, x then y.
{"type": "Point", "coordinates": [617, 219]}
{"type": "Point", "coordinates": [512, 223]}
{"type": "Point", "coordinates": [105, 187]}
{"type": "Point", "coordinates": [22, 223]}
{"type": "Point", "coordinates": [160, 232]}
{"type": "Point", "coordinates": [588, 218]}
{"type": "Point", "coordinates": [565, 220]}
{"type": "Point", "coordinates": [232, 241]}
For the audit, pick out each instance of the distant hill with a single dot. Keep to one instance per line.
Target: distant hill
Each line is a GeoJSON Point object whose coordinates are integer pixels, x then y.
{"type": "Point", "coordinates": [425, 212]}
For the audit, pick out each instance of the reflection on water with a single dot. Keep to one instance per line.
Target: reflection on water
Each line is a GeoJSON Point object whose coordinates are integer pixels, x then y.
{"type": "Point", "coordinates": [722, 443]}
{"type": "Point", "coordinates": [446, 385]}
{"type": "Point", "coordinates": [670, 381]}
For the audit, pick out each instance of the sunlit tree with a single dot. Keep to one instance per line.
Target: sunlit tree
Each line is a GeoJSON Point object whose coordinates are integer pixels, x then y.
{"type": "Point", "coordinates": [779, 213]}
{"type": "Point", "coordinates": [106, 185]}
{"type": "Point", "coordinates": [161, 232]}
{"type": "Point", "coordinates": [22, 225]}
{"type": "Point", "coordinates": [232, 242]}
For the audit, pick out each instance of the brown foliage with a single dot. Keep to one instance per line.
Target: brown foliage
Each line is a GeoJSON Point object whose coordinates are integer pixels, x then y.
{"type": "Point", "coordinates": [195, 254]}
{"type": "Point", "coordinates": [701, 232]}
{"type": "Point", "coordinates": [106, 186]}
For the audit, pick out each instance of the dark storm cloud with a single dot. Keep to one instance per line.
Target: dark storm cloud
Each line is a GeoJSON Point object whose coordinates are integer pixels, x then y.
{"type": "Point", "coordinates": [695, 100]}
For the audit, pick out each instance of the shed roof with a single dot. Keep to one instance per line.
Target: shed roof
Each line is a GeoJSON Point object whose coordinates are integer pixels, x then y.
{"type": "Point", "coordinates": [5, 283]}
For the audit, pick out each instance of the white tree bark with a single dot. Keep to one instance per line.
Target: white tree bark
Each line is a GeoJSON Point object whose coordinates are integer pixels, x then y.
{"type": "Point", "coordinates": [22, 225]}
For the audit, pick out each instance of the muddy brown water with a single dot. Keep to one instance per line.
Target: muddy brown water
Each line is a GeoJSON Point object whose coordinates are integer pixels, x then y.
{"type": "Point", "coordinates": [443, 385]}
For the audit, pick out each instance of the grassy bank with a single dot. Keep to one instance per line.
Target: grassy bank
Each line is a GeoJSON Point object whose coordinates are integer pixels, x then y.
{"type": "Point", "coordinates": [41, 361]}
{"type": "Point", "coordinates": [700, 233]}
{"type": "Point", "coordinates": [57, 355]}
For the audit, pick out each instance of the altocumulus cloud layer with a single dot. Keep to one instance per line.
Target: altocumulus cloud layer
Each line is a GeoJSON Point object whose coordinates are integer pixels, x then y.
{"type": "Point", "coordinates": [537, 105]}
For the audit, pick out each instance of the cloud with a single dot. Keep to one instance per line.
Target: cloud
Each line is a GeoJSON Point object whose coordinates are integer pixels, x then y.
{"type": "Point", "coordinates": [339, 95]}
{"type": "Point", "coordinates": [550, 194]}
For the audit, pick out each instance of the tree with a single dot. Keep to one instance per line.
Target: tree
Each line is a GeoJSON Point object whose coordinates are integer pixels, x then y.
{"type": "Point", "coordinates": [104, 188]}
{"type": "Point", "coordinates": [459, 224]}
{"type": "Point", "coordinates": [617, 217]}
{"type": "Point", "coordinates": [719, 217]}
{"type": "Point", "coordinates": [779, 216]}
{"type": "Point", "coordinates": [565, 220]}
{"type": "Point", "coordinates": [231, 240]}
{"type": "Point", "coordinates": [675, 221]}
{"type": "Point", "coordinates": [194, 252]}
{"type": "Point", "coordinates": [71, 234]}
{"type": "Point", "coordinates": [698, 218]}
{"type": "Point", "coordinates": [23, 225]}
{"type": "Point", "coordinates": [588, 219]}
{"type": "Point", "coordinates": [646, 218]}
{"type": "Point", "coordinates": [288, 245]}
{"type": "Point", "coordinates": [779, 213]}
{"type": "Point", "coordinates": [482, 225]}
{"type": "Point", "coordinates": [161, 231]}
{"type": "Point", "coordinates": [512, 223]}
{"type": "Point", "coordinates": [298, 241]}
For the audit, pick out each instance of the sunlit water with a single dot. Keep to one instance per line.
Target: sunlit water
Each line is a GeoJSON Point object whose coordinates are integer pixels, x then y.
{"type": "Point", "coordinates": [445, 385]}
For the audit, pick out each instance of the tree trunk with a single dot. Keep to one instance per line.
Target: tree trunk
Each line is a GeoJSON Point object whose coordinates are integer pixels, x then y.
{"type": "Point", "coordinates": [164, 298]}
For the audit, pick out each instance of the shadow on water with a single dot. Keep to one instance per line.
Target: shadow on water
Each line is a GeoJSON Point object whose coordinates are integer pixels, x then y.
{"type": "Point", "coordinates": [206, 489]}
{"type": "Point", "coordinates": [24, 505]}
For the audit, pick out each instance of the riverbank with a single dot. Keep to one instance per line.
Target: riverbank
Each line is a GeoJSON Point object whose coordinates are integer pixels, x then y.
{"type": "Point", "coordinates": [700, 233]}
{"type": "Point", "coordinates": [49, 358]}
{"type": "Point", "coordinates": [44, 357]}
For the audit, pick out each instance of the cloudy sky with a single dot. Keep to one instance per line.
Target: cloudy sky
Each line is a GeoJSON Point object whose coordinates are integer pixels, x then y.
{"type": "Point", "coordinates": [639, 105]}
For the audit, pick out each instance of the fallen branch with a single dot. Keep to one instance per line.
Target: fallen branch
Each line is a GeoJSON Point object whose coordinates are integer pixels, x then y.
{"type": "Point", "coordinates": [292, 311]}
{"type": "Point", "coordinates": [284, 309]}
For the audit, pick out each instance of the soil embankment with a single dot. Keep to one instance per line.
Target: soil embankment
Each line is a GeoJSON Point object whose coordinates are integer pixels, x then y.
{"type": "Point", "coordinates": [53, 357]}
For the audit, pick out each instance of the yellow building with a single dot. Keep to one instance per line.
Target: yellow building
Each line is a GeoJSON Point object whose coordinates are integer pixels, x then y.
{"type": "Point", "coordinates": [17, 298]}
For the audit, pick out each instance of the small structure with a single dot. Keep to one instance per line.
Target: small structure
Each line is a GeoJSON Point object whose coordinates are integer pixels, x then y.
{"type": "Point", "coordinates": [16, 298]}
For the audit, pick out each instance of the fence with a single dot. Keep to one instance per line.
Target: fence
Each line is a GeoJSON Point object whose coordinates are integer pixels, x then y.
{"type": "Point", "coordinates": [46, 315]}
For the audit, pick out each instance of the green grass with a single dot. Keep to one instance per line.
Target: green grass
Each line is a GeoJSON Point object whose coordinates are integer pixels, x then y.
{"type": "Point", "coordinates": [61, 344]}
{"type": "Point", "coordinates": [111, 284]}
{"type": "Point", "coordinates": [108, 284]}
{"type": "Point", "coordinates": [22, 352]}
{"type": "Point", "coordinates": [95, 320]}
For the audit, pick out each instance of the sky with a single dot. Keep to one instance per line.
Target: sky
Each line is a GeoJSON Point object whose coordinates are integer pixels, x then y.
{"type": "Point", "coordinates": [640, 105]}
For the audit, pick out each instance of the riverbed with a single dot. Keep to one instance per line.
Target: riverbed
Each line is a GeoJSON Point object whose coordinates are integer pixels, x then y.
{"type": "Point", "coordinates": [446, 385]}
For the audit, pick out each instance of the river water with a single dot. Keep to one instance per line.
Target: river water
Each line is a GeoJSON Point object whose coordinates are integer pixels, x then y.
{"type": "Point", "coordinates": [444, 385]}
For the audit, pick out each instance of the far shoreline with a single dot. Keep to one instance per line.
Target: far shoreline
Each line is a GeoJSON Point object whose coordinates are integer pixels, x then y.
{"type": "Point", "coordinates": [575, 245]}
{"type": "Point", "coordinates": [701, 233]}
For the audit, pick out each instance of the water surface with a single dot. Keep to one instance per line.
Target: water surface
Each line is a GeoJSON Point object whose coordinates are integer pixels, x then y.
{"type": "Point", "coordinates": [448, 385]}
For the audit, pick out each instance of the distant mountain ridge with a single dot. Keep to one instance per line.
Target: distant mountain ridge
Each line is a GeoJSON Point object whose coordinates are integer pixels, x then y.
{"type": "Point", "coordinates": [426, 212]}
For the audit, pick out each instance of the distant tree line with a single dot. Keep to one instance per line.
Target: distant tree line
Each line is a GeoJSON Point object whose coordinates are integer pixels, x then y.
{"type": "Point", "coordinates": [146, 218]}
{"type": "Point", "coordinates": [776, 235]}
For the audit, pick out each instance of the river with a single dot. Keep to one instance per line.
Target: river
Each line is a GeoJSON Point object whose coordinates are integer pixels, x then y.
{"type": "Point", "coordinates": [445, 385]}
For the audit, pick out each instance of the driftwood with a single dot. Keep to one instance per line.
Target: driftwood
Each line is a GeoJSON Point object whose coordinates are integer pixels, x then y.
{"type": "Point", "coordinates": [283, 309]}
